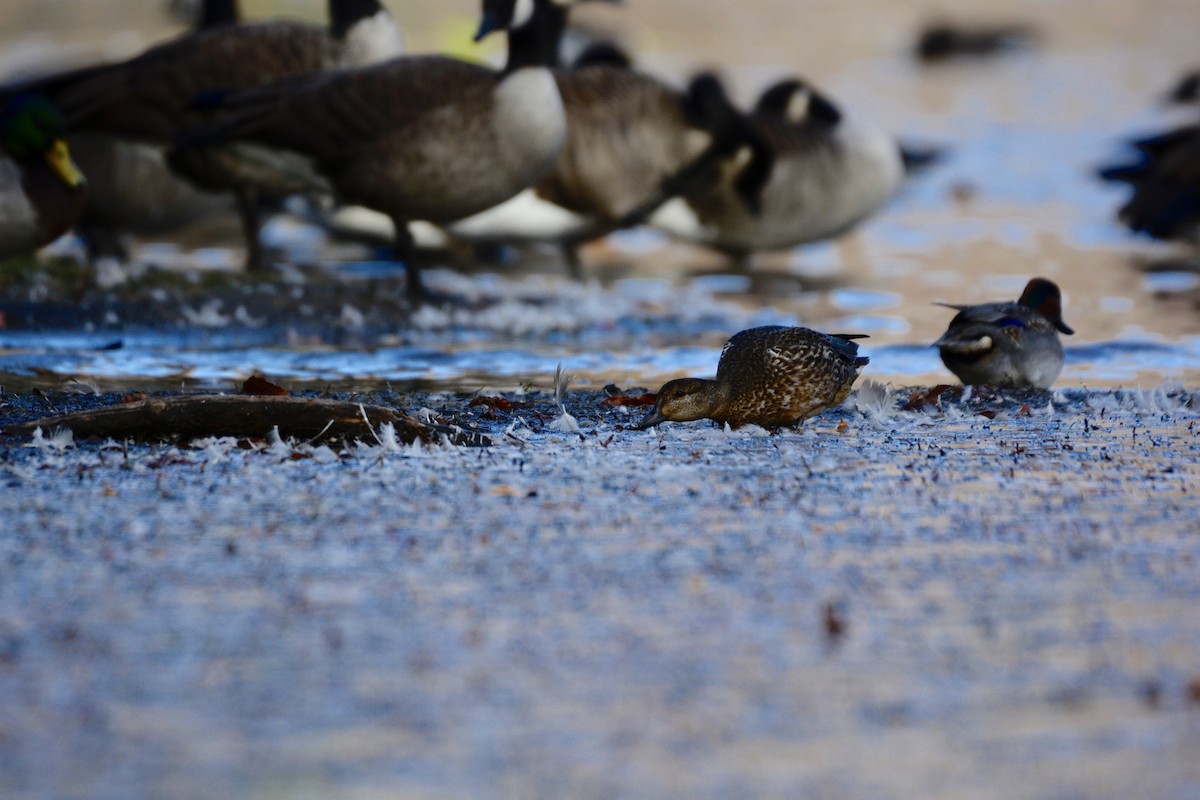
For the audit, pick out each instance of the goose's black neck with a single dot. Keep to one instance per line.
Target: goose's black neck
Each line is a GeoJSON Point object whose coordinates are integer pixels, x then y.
{"type": "Point", "coordinates": [217, 12]}
{"type": "Point", "coordinates": [345, 14]}
{"type": "Point", "coordinates": [535, 44]}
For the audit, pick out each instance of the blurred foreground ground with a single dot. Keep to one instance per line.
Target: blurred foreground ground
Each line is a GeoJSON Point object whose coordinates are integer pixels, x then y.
{"type": "Point", "coordinates": [992, 598]}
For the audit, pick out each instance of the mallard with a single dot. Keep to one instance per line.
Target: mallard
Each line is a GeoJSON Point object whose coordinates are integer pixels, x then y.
{"type": "Point", "coordinates": [42, 191]}
{"type": "Point", "coordinates": [820, 174]}
{"type": "Point", "coordinates": [152, 97]}
{"type": "Point", "coordinates": [771, 376]}
{"type": "Point", "coordinates": [1008, 344]}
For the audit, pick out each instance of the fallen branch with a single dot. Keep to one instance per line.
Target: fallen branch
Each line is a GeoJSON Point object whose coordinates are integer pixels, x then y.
{"type": "Point", "coordinates": [199, 416]}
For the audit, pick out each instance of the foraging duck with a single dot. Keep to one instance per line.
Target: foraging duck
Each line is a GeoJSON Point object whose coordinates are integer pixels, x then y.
{"type": "Point", "coordinates": [820, 175]}
{"type": "Point", "coordinates": [418, 138]}
{"type": "Point", "coordinates": [632, 143]}
{"type": "Point", "coordinates": [1165, 203]}
{"type": "Point", "coordinates": [1008, 344]}
{"type": "Point", "coordinates": [771, 376]}
{"type": "Point", "coordinates": [41, 190]}
{"type": "Point", "coordinates": [150, 97]}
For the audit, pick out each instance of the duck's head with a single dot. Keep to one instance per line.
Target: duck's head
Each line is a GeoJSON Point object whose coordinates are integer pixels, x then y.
{"type": "Point", "coordinates": [32, 129]}
{"type": "Point", "coordinates": [1044, 297]}
{"type": "Point", "coordinates": [682, 400]}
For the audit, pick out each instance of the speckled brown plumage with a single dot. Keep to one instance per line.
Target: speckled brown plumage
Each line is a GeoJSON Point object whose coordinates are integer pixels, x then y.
{"type": "Point", "coordinates": [770, 376]}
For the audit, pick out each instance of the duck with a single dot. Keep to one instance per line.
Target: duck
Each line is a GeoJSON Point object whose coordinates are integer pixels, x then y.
{"type": "Point", "coordinates": [418, 137]}
{"type": "Point", "coordinates": [1165, 203]}
{"type": "Point", "coordinates": [632, 143]}
{"type": "Point", "coordinates": [1010, 345]}
{"type": "Point", "coordinates": [151, 97]}
{"type": "Point", "coordinates": [773, 376]}
{"type": "Point", "coordinates": [42, 191]}
{"type": "Point", "coordinates": [820, 174]}
{"type": "Point", "coordinates": [131, 187]}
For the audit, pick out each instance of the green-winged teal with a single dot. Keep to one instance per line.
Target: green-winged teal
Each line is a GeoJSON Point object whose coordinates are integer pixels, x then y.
{"type": "Point", "coordinates": [816, 174]}
{"type": "Point", "coordinates": [41, 190]}
{"type": "Point", "coordinates": [1008, 344]}
{"type": "Point", "coordinates": [771, 376]}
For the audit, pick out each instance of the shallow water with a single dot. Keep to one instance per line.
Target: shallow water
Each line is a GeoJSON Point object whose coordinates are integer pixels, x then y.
{"type": "Point", "coordinates": [1014, 198]}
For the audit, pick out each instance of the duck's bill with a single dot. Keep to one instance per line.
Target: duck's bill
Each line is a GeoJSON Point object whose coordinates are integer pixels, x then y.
{"type": "Point", "coordinates": [1064, 327]}
{"type": "Point", "coordinates": [59, 159]}
{"type": "Point", "coordinates": [654, 417]}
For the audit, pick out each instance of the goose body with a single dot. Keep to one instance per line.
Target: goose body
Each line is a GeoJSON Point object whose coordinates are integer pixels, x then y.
{"type": "Point", "coordinates": [771, 376]}
{"type": "Point", "coordinates": [415, 138]}
{"type": "Point", "coordinates": [823, 175]}
{"type": "Point", "coordinates": [42, 192]}
{"type": "Point", "coordinates": [1008, 344]}
{"type": "Point", "coordinates": [131, 187]}
{"type": "Point", "coordinates": [150, 97]}
{"type": "Point", "coordinates": [629, 136]}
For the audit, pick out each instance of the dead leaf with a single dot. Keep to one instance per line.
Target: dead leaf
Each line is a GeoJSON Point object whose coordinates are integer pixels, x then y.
{"type": "Point", "coordinates": [919, 401]}
{"type": "Point", "coordinates": [134, 397]}
{"type": "Point", "coordinates": [630, 401]}
{"type": "Point", "coordinates": [842, 427]}
{"type": "Point", "coordinates": [497, 403]}
{"type": "Point", "coordinates": [261, 387]}
{"type": "Point", "coordinates": [835, 625]}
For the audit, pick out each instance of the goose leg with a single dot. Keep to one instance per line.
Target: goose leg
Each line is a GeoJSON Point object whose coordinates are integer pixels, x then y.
{"type": "Point", "coordinates": [404, 249]}
{"type": "Point", "coordinates": [570, 251]}
{"type": "Point", "coordinates": [247, 201]}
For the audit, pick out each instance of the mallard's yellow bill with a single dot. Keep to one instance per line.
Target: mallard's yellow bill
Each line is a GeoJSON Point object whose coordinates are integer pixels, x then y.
{"type": "Point", "coordinates": [59, 159]}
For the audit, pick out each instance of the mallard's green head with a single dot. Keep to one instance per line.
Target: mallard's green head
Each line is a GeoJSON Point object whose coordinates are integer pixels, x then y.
{"type": "Point", "coordinates": [31, 128]}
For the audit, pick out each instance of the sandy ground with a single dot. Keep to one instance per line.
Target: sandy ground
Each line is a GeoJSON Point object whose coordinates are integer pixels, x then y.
{"type": "Point", "coordinates": [989, 598]}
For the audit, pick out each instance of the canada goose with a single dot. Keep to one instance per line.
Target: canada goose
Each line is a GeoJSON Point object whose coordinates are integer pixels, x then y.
{"type": "Point", "coordinates": [422, 137]}
{"type": "Point", "coordinates": [632, 142]}
{"type": "Point", "coordinates": [41, 190]}
{"type": "Point", "coordinates": [131, 188]}
{"type": "Point", "coordinates": [1165, 203]}
{"type": "Point", "coordinates": [149, 97]}
{"type": "Point", "coordinates": [824, 175]}
{"type": "Point", "coordinates": [1008, 344]}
